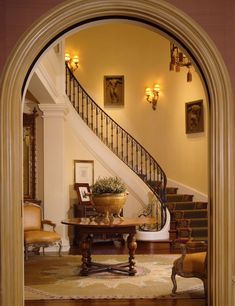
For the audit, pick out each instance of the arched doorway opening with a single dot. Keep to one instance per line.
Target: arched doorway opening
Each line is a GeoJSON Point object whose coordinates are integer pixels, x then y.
{"type": "Point", "coordinates": [221, 144]}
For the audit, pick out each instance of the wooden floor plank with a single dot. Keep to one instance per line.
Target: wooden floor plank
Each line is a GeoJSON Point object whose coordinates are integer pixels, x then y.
{"type": "Point", "coordinates": [120, 302]}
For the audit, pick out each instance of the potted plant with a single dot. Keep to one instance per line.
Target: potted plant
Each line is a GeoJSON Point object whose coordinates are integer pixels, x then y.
{"type": "Point", "coordinates": [109, 195]}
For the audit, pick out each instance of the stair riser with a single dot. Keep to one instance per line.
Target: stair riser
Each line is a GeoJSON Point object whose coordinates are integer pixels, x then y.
{"type": "Point", "coordinates": [199, 232]}
{"type": "Point", "coordinates": [189, 214]}
{"type": "Point", "coordinates": [186, 206]}
{"type": "Point", "coordinates": [171, 190]}
{"type": "Point", "coordinates": [195, 214]}
{"type": "Point", "coordinates": [199, 223]}
{"type": "Point", "coordinates": [179, 197]}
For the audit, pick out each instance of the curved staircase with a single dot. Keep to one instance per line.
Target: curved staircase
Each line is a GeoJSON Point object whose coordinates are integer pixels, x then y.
{"type": "Point", "coordinates": [188, 219]}
{"type": "Point", "coordinates": [121, 143]}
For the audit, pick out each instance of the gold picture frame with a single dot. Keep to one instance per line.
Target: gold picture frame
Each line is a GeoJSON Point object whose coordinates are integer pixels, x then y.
{"type": "Point", "coordinates": [194, 117]}
{"type": "Point", "coordinates": [84, 172]}
{"type": "Point", "coordinates": [114, 91]}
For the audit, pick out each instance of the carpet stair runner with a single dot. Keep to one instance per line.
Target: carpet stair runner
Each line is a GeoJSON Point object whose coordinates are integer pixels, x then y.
{"type": "Point", "coordinates": [189, 219]}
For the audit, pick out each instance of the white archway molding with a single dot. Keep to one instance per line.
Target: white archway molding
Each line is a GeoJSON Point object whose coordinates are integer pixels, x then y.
{"type": "Point", "coordinates": [221, 149]}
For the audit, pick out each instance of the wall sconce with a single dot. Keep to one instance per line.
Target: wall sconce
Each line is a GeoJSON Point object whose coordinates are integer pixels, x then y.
{"type": "Point", "coordinates": [71, 62]}
{"type": "Point", "coordinates": [179, 59]}
{"type": "Point", "coordinates": [152, 95]}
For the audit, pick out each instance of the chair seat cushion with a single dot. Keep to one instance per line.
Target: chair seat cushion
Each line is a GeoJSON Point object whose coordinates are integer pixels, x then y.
{"type": "Point", "coordinates": [41, 237]}
{"type": "Point", "coordinates": [194, 263]}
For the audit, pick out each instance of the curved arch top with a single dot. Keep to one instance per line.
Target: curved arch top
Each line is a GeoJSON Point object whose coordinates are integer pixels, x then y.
{"type": "Point", "coordinates": [156, 13]}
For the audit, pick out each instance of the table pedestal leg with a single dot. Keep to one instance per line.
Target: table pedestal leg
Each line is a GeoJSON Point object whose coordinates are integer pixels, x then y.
{"type": "Point", "coordinates": [85, 247]}
{"type": "Point", "coordinates": [132, 245]}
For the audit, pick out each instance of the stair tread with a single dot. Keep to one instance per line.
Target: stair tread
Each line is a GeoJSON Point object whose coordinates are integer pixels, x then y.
{"type": "Point", "coordinates": [185, 202]}
{"type": "Point", "coordinates": [198, 218]}
{"type": "Point", "coordinates": [179, 198]}
{"type": "Point", "coordinates": [182, 194]}
{"type": "Point", "coordinates": [186, 210]}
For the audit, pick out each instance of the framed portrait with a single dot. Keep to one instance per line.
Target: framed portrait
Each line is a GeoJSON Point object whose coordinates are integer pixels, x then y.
{"type": "Point", "coordinates": [114, 91]}
{"type": "Point", "coordinates": [194, 117]}
{"type": "Point", "coordinates": [83, 193]}
{"type": "Point", "coordinates": [84, 172]}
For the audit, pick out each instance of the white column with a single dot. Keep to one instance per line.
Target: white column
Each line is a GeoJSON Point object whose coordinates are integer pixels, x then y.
{"type": "Point", "coordinates": [55, 200]}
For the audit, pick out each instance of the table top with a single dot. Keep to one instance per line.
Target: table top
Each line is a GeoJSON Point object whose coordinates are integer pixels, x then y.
{"type": "Point", "coordinates": [86, 222]}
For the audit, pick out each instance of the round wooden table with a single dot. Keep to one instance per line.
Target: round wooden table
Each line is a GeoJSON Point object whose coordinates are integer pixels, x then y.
{"type": "Point", "coordinates": [87, 228]}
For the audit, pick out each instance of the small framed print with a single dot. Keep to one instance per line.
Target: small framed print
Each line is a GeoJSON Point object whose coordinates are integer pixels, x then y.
{"type": "Point", "coordinates": [83, 193]}
{"type": "Point", "coordinates": [114, 91]}
{"type": "Point", "coordinates": [194, 117]}
{"type": "Point", "coordinates": [84, 172]}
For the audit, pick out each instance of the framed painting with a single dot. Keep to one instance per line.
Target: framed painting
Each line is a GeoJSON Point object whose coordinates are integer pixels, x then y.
{"type": "Point", "coordinates": [114, 91]}
{"type": "Point", "coordinates": [84, 172]}
{"type": "Point", "coordinates": [83, 193]}
{"type": "Point", "coordinates": [194, 117]}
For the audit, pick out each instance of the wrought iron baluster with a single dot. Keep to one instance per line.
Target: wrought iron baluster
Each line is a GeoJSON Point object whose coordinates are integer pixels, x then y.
{"type": "Point", "coordinates": [101, 126]}
{"type": "Point", "coordinates": [154, 172]}
{"type": "Point", "coordinates": [146, 169]}
{"type": "Point", "coordinates": [112, 135]}
{"type": "Point", "coordinates": [73, 93]}
{"type": "Point", "coordinates": [141, 161]}
{"type": "Point", "coordinates": [92, 116]}
{"type": "Point", "coordinates": [150, 169]}
{"type": "Point", "coordinates": [79, 99]}
{"type": "Point", "coordinates": [107, 131]}
{"type": "Point", "coordinates": [137, 158]}
{"type": "Point", "coordinates": [96, 120]}
{"type": "Point", "coordinates": [117, 149]}
{"type": "Point", "coordinates": [82, 105]}
{"type": "Point", "coordinates": [122, 144]}
{"type": "Point", "coordinates": [127, 150]}
{"type": "Point", "coordinates": [132, 153]}
{"type": "Point", "coordinates": [86, 109]}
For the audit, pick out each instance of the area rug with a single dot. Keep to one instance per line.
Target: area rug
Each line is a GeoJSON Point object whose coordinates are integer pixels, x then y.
{"type": "Point", "coordinates": [52, 277]}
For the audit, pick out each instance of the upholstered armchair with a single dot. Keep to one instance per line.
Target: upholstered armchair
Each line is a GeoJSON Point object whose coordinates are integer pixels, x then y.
{"type": "Point", "coordinates": [35, 236]}
{"type": "Point", "coordinates": [192, 263]}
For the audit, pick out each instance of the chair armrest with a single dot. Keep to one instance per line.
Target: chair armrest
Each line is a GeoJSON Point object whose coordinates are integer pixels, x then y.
{"type": "Point", "coordinates": [193, 247]}
{"type": "Point", "coordinates": [196, 246]}
{"type": "Point", "coordinates": [48, 222]}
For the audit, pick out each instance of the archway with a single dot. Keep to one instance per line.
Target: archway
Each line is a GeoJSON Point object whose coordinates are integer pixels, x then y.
{"type": "Point", "coordinates": [221, 147]}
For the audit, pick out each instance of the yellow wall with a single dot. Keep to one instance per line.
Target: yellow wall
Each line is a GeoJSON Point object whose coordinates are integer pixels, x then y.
{"type": "Point", "coordinates": [76, 150]}
{"type": "Point", "coordinates": [142, 56]}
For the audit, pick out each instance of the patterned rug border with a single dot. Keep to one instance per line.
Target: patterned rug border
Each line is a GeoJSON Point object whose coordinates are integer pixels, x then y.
{"type": "Point", "coordinates": [179, 295]}
{"type": "Point", "coordinates": [194, 292]}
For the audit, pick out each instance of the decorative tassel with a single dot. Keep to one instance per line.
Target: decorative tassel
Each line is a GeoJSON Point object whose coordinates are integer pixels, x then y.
{"type": "Point", "coordinates": [181, 57]}
{"type": "Point", "coordinates": [177, 68]}
{"type": "Point", "coordinates": [189, 76]}
{"type": "Point", "coordinates": [172, 66]}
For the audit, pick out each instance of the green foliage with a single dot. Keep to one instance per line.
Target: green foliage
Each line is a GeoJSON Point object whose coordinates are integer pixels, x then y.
{"type": "Point", "coordinates": [108, 185]}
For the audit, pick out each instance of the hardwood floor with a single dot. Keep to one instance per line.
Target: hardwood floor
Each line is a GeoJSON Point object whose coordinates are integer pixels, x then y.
{"type": "Point", "coordinates": [117, 248]}
{"type": "Point", "coordinates": [145, 302]}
